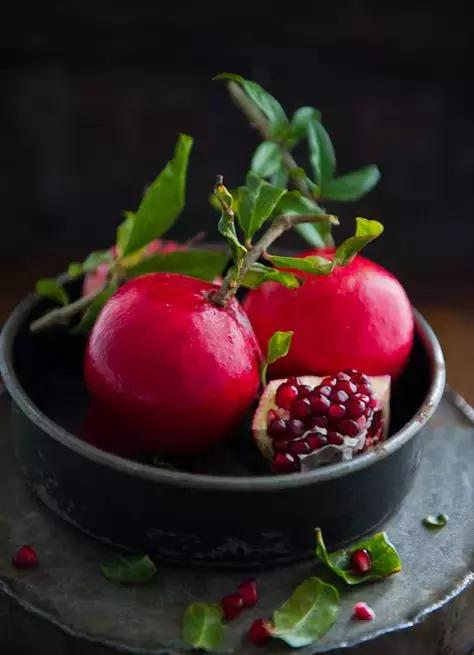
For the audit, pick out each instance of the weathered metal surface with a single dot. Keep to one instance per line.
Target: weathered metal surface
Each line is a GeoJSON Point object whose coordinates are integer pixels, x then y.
{"type": "Point", "coordinates": [67, 608]}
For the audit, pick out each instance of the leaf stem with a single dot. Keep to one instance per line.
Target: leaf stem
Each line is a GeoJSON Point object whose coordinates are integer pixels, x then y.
{"type": "Point", "coordinates": [279, 225]}
{"type": "Point", "coordinates": [260, 123]}
{"type": "Point", "coordinates": [61, 315]}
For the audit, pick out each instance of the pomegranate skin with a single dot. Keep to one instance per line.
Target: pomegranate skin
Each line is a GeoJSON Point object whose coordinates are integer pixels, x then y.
{"type": "Point", "coordinates": [175, 370]}
{"type": "Point", "coordinates": [358, 317]}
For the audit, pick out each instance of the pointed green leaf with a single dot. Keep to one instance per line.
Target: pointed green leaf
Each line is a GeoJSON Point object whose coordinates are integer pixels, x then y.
{"type": "Point", "coordinates": [123, 231]}
{"type": "Point", "coordinates": [74, 269]}
{"type": "Point", "coordinates": [312, 264]}
{"type": "Point", "coordinates": [50, 288]}
{"type": "Point", "coordinates": [264, 101]}
{"type": "Point", "coordinates": [257, 202]}
{"type": "Point", "coordinates": [322, 156]}
{"type": "Point", "coordinates": [435, 522]}
{"type": "Point", "coordinates": [163, 200]}
{"type": "Point", "coordinates": [352, 186]}
{"type": "Point", "coordinates": [278, 347]}
{"type": "Point", "coordinates": [303, 117]}
{"type": "Point", "coordinates": [129, 570]}
{"type": "Point", "coordinates": [95, 259]}
{"type": "Point", "coordinates": [366, 231]}
{"type": "Point", "coordinates": [89, 317]}
{"type": "Point", "coordinates": [259, 273]}
{"type": "Point", "coordinates": [384, 557]}
{"type": "Point", "coordinates": [266, 159]}
{"type": "Point", "coordinates": [202, 264]}
{"type": "Point", "coordinates": [280, 177]}
{"type": "Point", "coordinates": [203, 626]}
{"type": "Point", "coordinates": [294, 203]}
{"type": "Point", "coordinates": [308, 614]}
{"type": "Point", "coordinates": [226, 227]}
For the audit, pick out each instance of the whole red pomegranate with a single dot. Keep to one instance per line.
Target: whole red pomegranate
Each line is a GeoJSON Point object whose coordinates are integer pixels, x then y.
{"type": "Point", "coordinates": [358, 317]}
{"type": "Point", "coordinates": [177, 371]}
{"type": "Point", "coordinates": [97, 279]}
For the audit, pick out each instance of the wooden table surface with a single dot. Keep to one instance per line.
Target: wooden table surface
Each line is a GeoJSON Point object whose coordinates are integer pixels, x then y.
{"type": "Point", "coordinates": [450, 311]}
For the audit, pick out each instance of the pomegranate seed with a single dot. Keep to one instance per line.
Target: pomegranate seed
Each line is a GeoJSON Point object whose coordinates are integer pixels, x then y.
{"type": "Point", "coordinates": [232, 605]}
{"type": "Point", "coordinates": [325, 390]}
{"type": "Point", "coordinates": [346, 385]}
{"type": "Point", "coordinates": [337, 411]}
{"type": "Point", "coordinates": [293, 381]}
{"type": "Point", "coordinates": [373, 403]}
{"type": "Point", "coordinates": [355, 408]}
{"type": "Point", "coordinates": [338, 396]}
{"type": "Point", "coordinates": [295, 428]}
{"type": "Point", "coordinates": [285, 395]}
{"type": "Point", "coordinates": [277, 428]}
{"type": "Point", "coordinates": [361, 561]}
{"type": "Point", "coordinates": [304, 391]}
{"type": "Point", "coordinates": [316, 441]}
{"type": "Point", "coordinates": [363, 612]}
{"type": "Point", "coordinates": [260, 632]}
{"type": "Point", "coordinates": [319, 422]}
{"type": "Point", "coordinates": [25, 558]}
{"type": "Point", "coordinates": [280, 445]}
{"type": "Point", "coordinates": [299, 447]}
{"type": "Point", "coordinates": [365, 389]}
{"type": "Point", "coordinates": [343, 376]}
{"type": "Point", "coordinates": [319, 404]}
{"type": "Point", "coordinates": [248, 591]}
{"type": "Point", "coordinates": [362, 397]}
{"type": "Point", "coordinates": [328, 382]}
{"type": "Point", "coordinates": [348, 427]}
{"type": "Point", "coordinates": [335, 438]}
{"type": "Point", "coordinates": [271, 416]}
{"type": "Point", "coordinates": [285, 463]}
{"type": "Point", "coordinates": [300, 408]}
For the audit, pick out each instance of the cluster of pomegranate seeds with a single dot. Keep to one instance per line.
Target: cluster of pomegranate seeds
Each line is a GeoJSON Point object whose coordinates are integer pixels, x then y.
{"type": "Point", "coordinates": [362, 612]}
{"type": "Point", "coordinates": [25, 558]}
{"type": "Point", "coordinates": [260, 632]}
{"type": "Point", "coordinates": [247, 596]}
{"type": "Point", "coordinates": [307, 419]}
{"type": "Point", "coordinates": [361, 561]}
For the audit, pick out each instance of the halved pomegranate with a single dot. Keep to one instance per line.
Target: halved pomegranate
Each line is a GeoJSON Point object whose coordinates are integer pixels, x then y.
{"type": "Point", "coordinates": [305, 422]}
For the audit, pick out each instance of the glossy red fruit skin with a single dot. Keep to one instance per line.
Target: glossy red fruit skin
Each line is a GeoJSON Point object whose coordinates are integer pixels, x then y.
{"type": "Point", "coordinates": [232, 605]}
{"type": "Point", "coordinates": [359, 315]}
{"type": "Point", "coordinates": [248, 591]}
{"type": "Point", "coordinates": [177, 371]}
{"type": "Point", "coordinates": [260, 632]}
{"type": "Point", "coordinates": [25, 558]}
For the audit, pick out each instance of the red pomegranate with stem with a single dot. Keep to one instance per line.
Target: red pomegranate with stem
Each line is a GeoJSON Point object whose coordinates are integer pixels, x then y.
{"type": "Point", "coordinates": [164, 360]}
{"type": "Point", "coordinates": [359, 317]}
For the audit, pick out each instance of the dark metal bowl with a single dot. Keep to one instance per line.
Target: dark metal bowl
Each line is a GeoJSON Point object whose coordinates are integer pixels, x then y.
{"type": "Point", "coordinates": [231, 520]}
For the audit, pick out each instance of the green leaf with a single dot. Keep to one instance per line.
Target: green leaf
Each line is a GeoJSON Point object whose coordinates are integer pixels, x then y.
{"type": "Point", "coordinates": [163, 200]}
{"type": "Point", "coordinates": [385, 559]}
{"type": "Point", "coordinates": [278, 347]}
{"type": "Point", "coordinates": [202, 264]}
{"type": "Point", "coordinates": [95, 259]}
{"type": "Point", "coordinates": [257, 202]}
{"type": "Point", "coordinates": [50, 288]}
{"type": "Point", "coordinates": [123, 231]}
{"type": "Point", "coordinates": [366, 231]}
{"type": "Point", "coordinates": [280, 177]}
{"type": "Point", "coordinates": [352, 186]}
{"type": "Point", "coordinates": [303, 117]}
{"type": "Point", "coordinates": [308, 614]}
{"type": "Point", "coordinates": [259, 273]}
{"type": "Point", "coordinates": [322, 157]}
{"type": "Point", "coordinates": [89, 317]}
{"type": "Point", "coordinates": [435, 522]}
{"type": "Point", "coordinates": [312, 264]}
{"type": "Point", "coordinates": [266, 159]}
{"type": "Point", "coordinates": [74, 269]}
{"type": "Point", "coordinates": [226, 227]}
{"type": "Point", "coordinates": [203, 626]}
{"type": "Point", "coordinates": [294, 203]}
{"type": "Point", "coordinates": [264, 101]}
{"type": "Point", "coordinates": [129, 570]}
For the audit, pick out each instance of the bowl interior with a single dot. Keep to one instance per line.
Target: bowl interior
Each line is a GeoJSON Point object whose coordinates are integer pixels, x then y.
{"type": "Point", "coordinates": [49, 368]}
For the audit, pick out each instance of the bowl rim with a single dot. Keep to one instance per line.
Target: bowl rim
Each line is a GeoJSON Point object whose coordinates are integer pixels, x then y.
{"type": "Point", "coordinates": [206, 481]}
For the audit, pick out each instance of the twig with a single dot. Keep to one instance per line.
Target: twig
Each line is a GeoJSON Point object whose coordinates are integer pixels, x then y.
{"type": "Point", "coordinates": [260, 123]}
{"type": "Point", "coordinates": [279, 225]}
{"type": "Point", "coordinates": [61, 315]}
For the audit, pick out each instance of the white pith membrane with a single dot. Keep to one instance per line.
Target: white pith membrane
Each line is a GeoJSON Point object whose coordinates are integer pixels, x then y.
{"type": "Point", "coordinates": [329, 453]}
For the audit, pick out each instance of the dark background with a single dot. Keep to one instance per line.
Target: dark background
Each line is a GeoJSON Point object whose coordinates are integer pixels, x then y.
{"type": "Point", "coordinates": [94, 93]}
